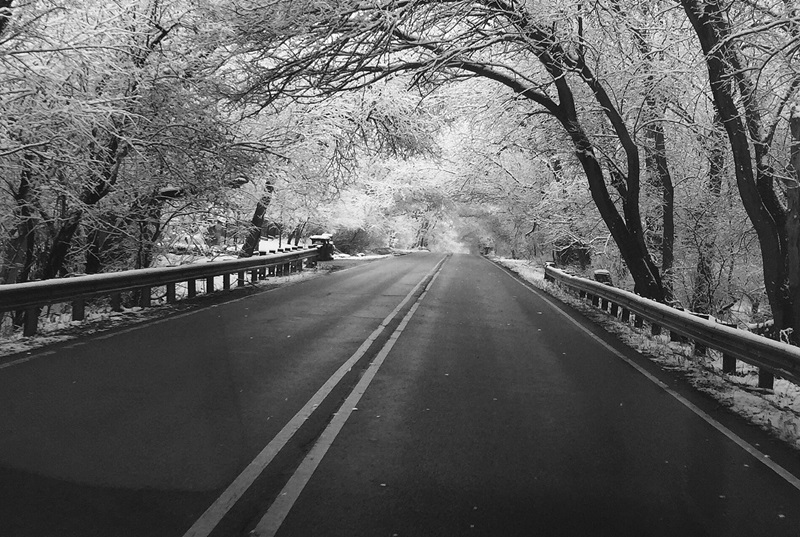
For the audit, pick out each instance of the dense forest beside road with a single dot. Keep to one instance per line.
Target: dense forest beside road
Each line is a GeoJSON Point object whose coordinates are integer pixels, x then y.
{"type": "Point", "coordinates": [660, 137]}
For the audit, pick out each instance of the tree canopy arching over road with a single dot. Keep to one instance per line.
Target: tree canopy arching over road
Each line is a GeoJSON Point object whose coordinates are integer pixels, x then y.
{"type": "Point", "coordinates": [662, 135]}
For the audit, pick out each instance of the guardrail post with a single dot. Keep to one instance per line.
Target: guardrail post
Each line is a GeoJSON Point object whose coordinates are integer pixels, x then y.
{"type": "Point", "coordinates": [240, 281]}
{"type": "Point", "coordinates": [78, 309]}
{"type": "Point", "coordinates": [31, 321]}
{"type": "Point", "coordinates": [728, 364]}
{"type": "Point", "coordinates": [116, 301]}
{"type": "Point", "coordinates": [191, 288]}
{"type": "Point", "coordinates": [144, 297]}
{"type": "Point", "coordinates": [254, 276]}
{"type": "Point", "coordinates": [654, 329]}
{"type": "Point", "coordinates": [604, 303]}
{"type": "Point", "coordinates": [626, 315]}
{"type": "Point", "coordinates": [171, 298]}
{"type": "Point", "coordinates": [699, 348]}
{"type": "Point", "coordinates": [614, 310]}
{"type": "Point", "coordinates": [595, 300]}
{"type": "Point", "coordinates": [766, 379]}
{"type": "Point", "coordinates": [226, 281]}
{"type": "Point", "coordinates": [582, 294]}
{"type": "Point", "coordinates": [209, 284]}
{"type": "Point", "coordinates": [638, 322]}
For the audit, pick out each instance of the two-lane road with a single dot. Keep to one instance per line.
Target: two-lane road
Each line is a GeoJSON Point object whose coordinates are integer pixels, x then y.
{"type": "Point", "coordinates": [480, 409]}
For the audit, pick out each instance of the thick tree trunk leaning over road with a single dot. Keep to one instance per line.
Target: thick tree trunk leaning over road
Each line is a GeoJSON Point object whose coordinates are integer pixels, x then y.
{"type": "Point", "coordinates": [254, 234]}
{"type": "Point", "coordinates": [625, 228]}
{"type": "Point", "coordinates": [738, 108]}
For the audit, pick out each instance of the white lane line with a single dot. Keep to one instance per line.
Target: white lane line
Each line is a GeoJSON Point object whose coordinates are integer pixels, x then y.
{"type": "Point", "coordinates": [209, 520]}
{"type": "Point", "coordinates": [735, 438]}
{"type": "Point", "coordinates": [270, 523]}
{"type": "Point", "coordinates": [19, 361]}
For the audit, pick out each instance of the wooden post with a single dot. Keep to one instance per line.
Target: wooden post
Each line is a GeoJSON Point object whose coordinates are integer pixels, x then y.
{"type": "Point", "coordinates": [604, 303]}
{"type": "Point", "coordinates": [638, 322]}
{"type": "Point", "coordinates": [254, 276]}
{"type": "Point", "coordinates": [240, 281]}
{"type": "Point", "coordinates": [226, 281]}
{"type": "Point", "coordinates": [614, 310]}
{"type": "Point", "coordinates": [192, 288]}
{"type": "Point", "coordinates": [655, 329]}
{"type": "Point", "coordinates": [728, 364]}
{"type": "Point", "coordinates": [78, 309]}
{"type": "Point", "coordinates": [699, 348]}
{"type": "Point", "coordinates": [209, 284]}
{"type": "Point", "coordinates": [626, 315]}
{"type": "Point", "coordinates": [31, 321]}
{"type": "Point", "coordinates": [766, 379]}
{"type": "Point", "coordinates": [116, 301]}
{"type": "Point", "coordinates": [171, 293]}
{"type": "Point", "coordinates": [144, 297]}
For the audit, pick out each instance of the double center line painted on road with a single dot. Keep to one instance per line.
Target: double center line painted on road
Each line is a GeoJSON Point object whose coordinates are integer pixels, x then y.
{"type": "Point", "coordinates": [209, 520]}
{"type": "Point", "coordinates": [277, 512]}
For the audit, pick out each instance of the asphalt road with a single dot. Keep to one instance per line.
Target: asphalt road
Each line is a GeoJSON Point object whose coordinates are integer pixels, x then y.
{"type": "Point", "coordinates": [404, 397]}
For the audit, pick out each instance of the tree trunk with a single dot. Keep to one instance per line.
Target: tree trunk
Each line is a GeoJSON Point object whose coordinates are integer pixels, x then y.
{"type": "Point", "coordinates": [18, 248]}
{"type": "Point", "coordinates": [111, 158]}
{"type": "Point", "coordinates": [647, 281]}
{"type": "Point", "coordinates": [793, 221]}
{"type": "Point", "coordinates": [730, 86]}
{"type": "Point", "coordinates": [254, 233]}
{"type": "Point", "coordinates": [702, 300]}
{"type": "Point", "coordinates": [658, 172]}
{"type": "Point", "coordinates": [56, 258]}
{"type": "Point", "coordinates": [297, 233]}
{"type": "Point", "coordinates": [627, 232]}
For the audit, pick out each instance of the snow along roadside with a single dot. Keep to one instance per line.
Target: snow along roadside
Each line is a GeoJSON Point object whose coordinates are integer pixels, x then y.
{"type": "Point", "coordinates": [776, 411]}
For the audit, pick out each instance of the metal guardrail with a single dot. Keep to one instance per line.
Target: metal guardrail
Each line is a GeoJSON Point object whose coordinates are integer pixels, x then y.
{"type": "Point", "coordinates": [770, 356]}
{"type": "Point", "coordinates": [31, 296]}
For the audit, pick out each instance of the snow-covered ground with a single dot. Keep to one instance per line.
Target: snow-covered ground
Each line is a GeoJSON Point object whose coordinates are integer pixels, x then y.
{"type": "Point", "coordinates": [777, 410]}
